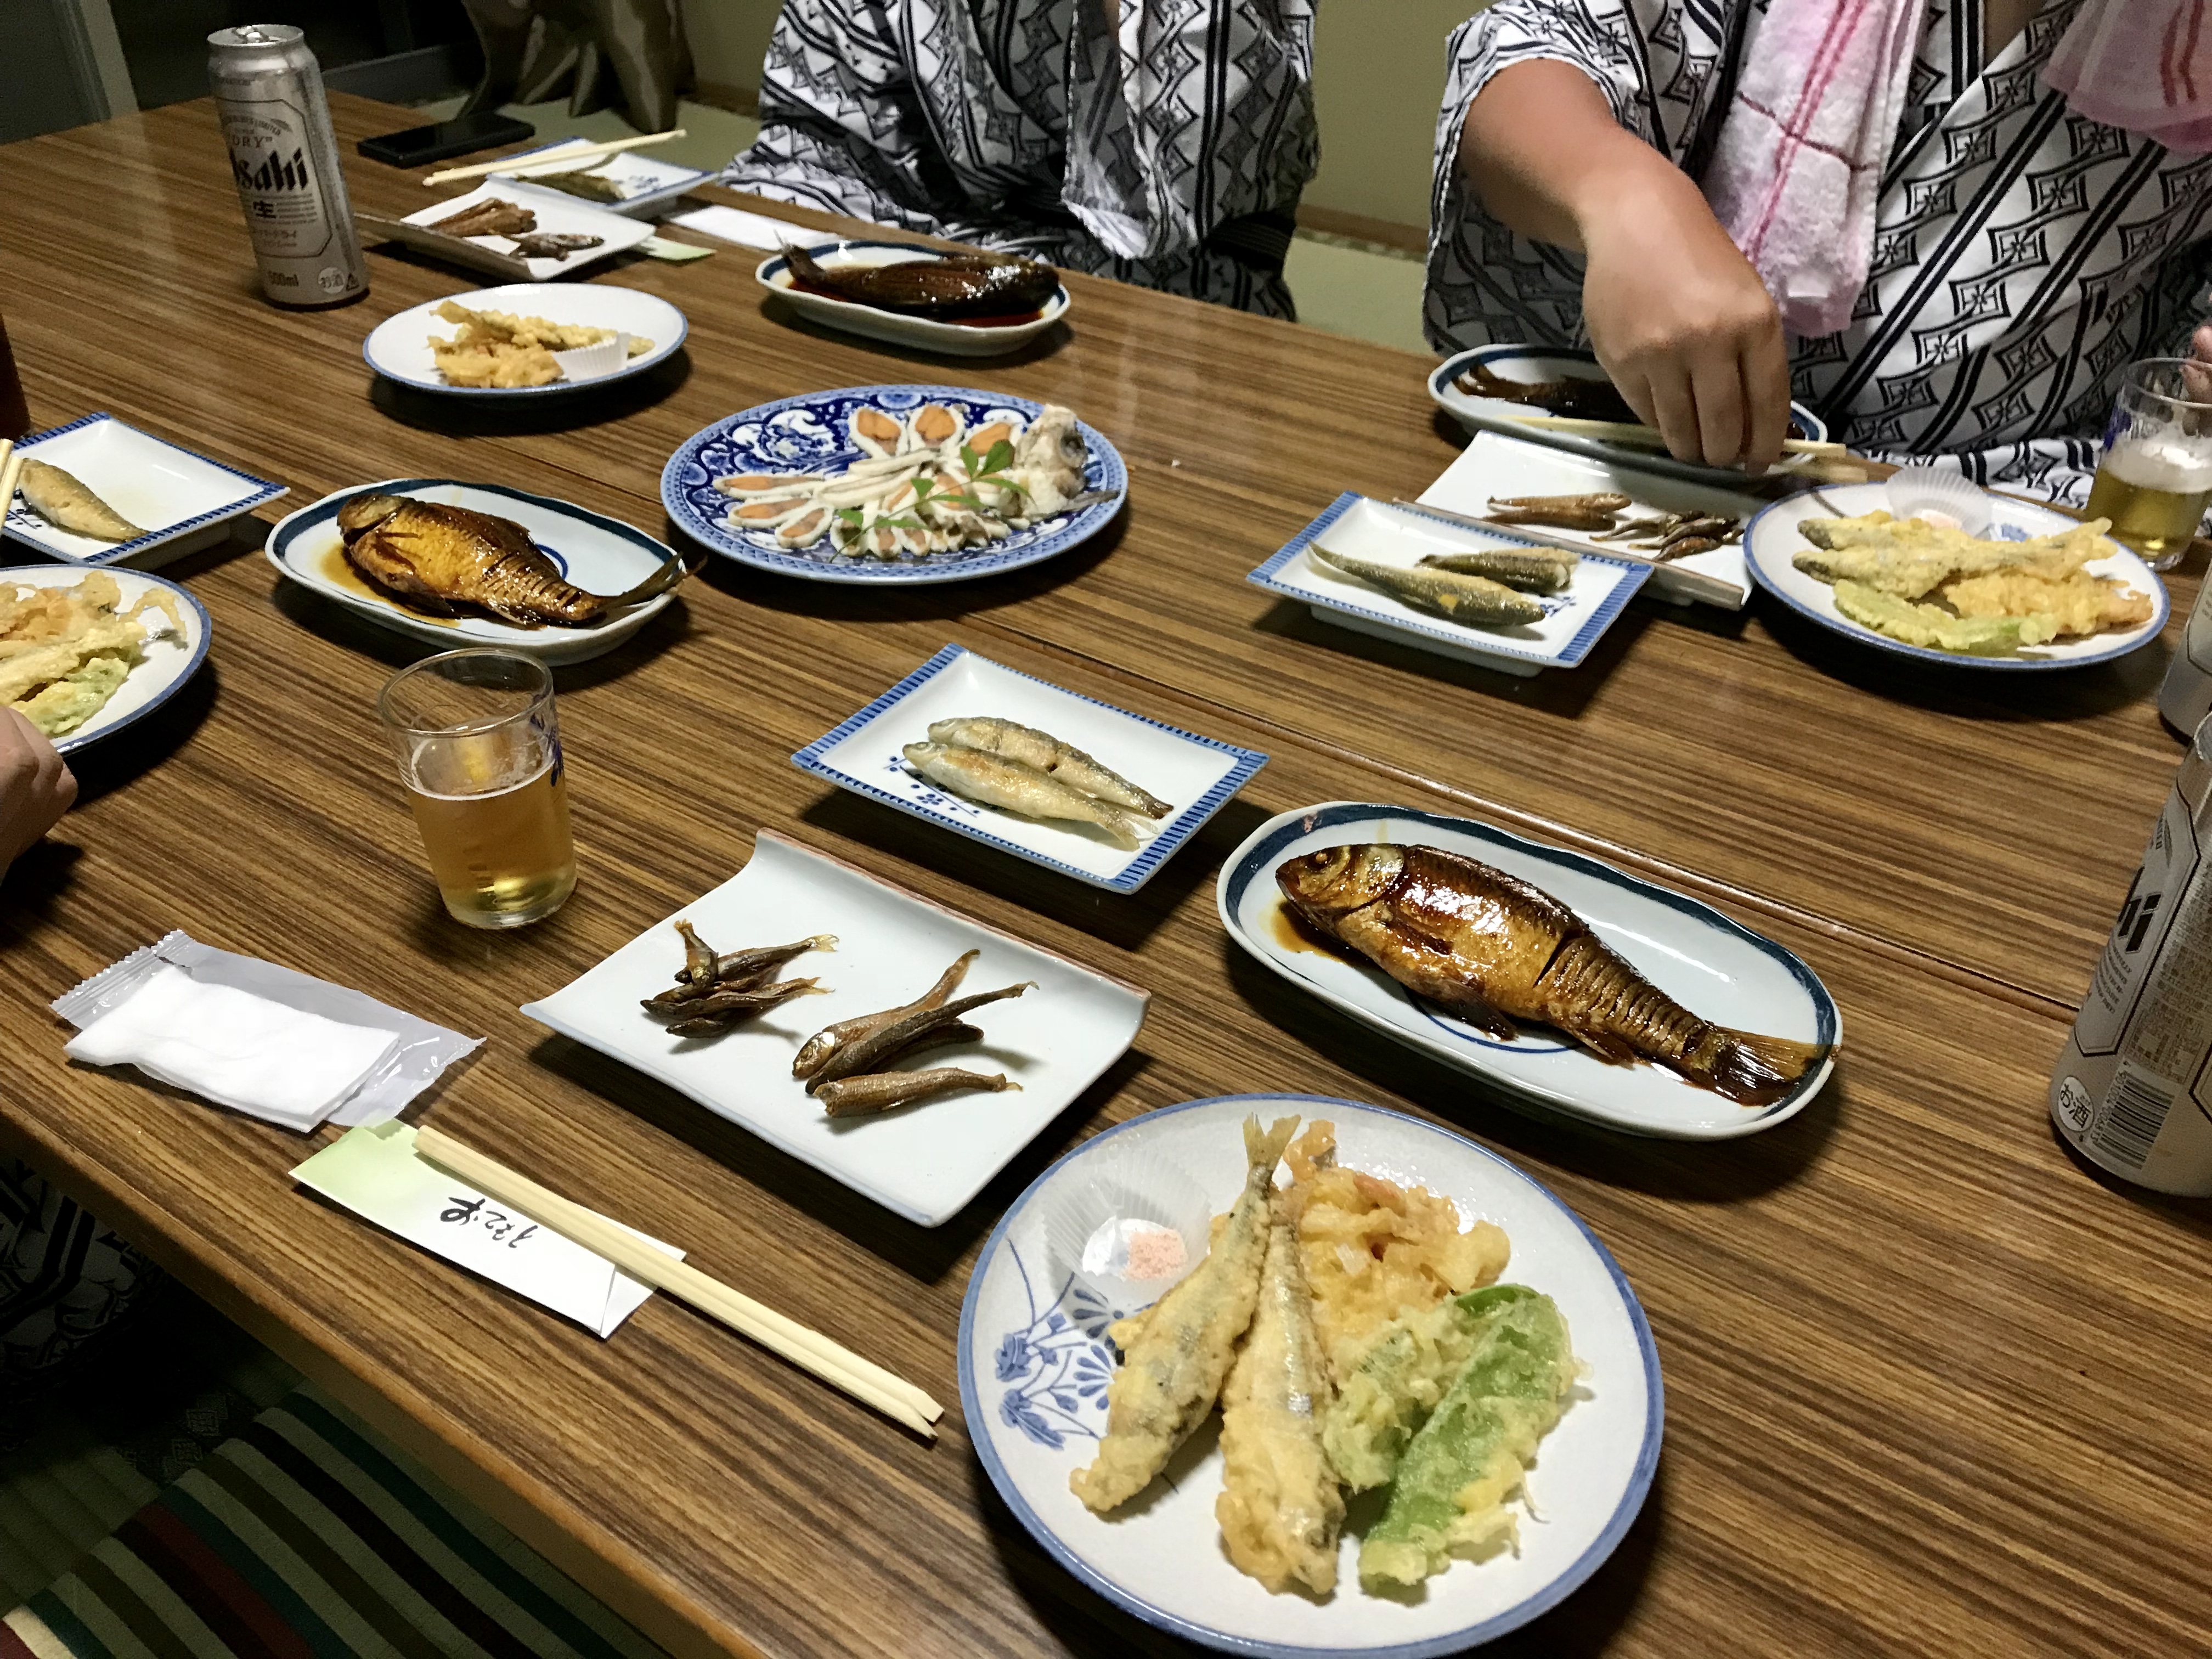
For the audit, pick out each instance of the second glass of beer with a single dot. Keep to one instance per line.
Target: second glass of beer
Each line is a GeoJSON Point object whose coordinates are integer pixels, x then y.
{"type": "Point", "coordinates": [2155, 479]}
{"type": "Point", "coordinates": [480, 753]}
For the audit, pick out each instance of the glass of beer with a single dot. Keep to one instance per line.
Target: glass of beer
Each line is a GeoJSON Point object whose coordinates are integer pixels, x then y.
{"type": "Point", "coordinates": [480, 753]}
{"type": "Point", "coordinates": [2155, 480]}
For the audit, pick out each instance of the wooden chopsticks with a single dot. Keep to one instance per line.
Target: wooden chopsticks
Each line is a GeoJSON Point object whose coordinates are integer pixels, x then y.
{"type": "Point", "coordinates": [11, 469]}
{"type": "Point", "coordinates": [1626, 432]}
{"type": "Point", "coordinates": [867, 1383]}
{"type": "Point", "coordinates": [565, 161]}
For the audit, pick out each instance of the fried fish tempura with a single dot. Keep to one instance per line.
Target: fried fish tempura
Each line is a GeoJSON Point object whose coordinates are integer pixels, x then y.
{"type": "Point", "coordinates": [1175, 1355]}
{"type": "Point", "coordinates": [2081, 604]}
{"type": "Point", "coordinates": [66, 651]}
{"type": "Point", "coordinates": [499, 349]}
{"type": "Point", "coordinates": [1911, 558]}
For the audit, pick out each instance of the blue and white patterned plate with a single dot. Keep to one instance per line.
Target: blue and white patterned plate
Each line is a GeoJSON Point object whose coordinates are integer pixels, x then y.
{"type": "Point", "coordinates": [1035, 1364]}
{"type": "Point", "coordinates": [181, 497]}
{"type": "Point", "coordinates": [172, 657]}
{"type": "Point", "coordinates": [808, 433]}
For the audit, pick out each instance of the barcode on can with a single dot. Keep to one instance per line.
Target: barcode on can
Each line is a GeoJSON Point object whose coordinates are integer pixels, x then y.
{"type": "Point", "coordinates": [2135, 1111]}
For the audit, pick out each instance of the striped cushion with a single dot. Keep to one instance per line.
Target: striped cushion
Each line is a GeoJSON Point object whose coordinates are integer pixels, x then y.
{"type": "Point", "coordinates": [307, 1538]}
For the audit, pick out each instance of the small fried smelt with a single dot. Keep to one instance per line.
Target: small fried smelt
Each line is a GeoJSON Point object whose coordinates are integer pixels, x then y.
{"type": "Point", "coordinates": [699, 957]}
{"type": "Point", "coordinates": [1533, 571]}
{"type": "Point", "coordinates": [937, 1036]}
{"type": "Point", "coordinates": [882, 1091]}
{"type": "Point", "coordinates": [762, 958]}
{"type": "Point", "coordinates": [1603, 501]}
{"type": "Point", "coordinates": [712, 1015]}
{"type": "Point", "coordinates": [880, 1044]}
{"type": "Point", "coordinates": [815, 1052]}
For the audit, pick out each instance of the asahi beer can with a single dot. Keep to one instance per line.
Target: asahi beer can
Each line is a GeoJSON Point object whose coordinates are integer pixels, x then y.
{"type": "Point", "coordinates": [268, 94]}
{"type": "Point", "coordinates": [2133, 1090]}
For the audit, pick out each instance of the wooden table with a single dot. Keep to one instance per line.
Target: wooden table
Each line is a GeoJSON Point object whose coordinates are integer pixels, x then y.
{"type": "Point", "coordinates": [1933, 1387]}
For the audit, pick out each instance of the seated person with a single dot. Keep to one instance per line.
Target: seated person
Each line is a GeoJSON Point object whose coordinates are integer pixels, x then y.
{"type": "Point", "coordinates": [1969, 280]}
{"type": "Point", "coordinates": [1158, 142]}
{"type": "Point", "coordinates": [35, 787]}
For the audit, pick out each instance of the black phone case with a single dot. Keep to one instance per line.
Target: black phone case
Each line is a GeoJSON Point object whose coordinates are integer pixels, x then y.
{"type": "Point", "coordinates": [393, 149]}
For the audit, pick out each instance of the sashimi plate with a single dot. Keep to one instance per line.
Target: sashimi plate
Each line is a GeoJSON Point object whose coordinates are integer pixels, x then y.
{"type": "Point", "coordinates": [811, 434]}
{"type": "Point", "coordinates": [1719, 969]}
{"type": "Point", "coordinates": [1035, 1363]}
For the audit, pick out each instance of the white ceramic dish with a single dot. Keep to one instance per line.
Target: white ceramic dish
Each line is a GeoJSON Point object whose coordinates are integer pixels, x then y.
{"type": "Point", "coordinates": [928, 1161]}
{"type": "Point", "coordinates": [1773, 539]}
{"type": "Point", "coordinates": [1521, 362]}
{"type": "Point", "coordinates": [948, 339]}
{"type": "Point", "coordinates": [1357, 527]}
{"type": "Point", "coordinates": [1496, 465]}
{"type": "Point", "coordinates": [182, 499]}
{"type": "Point", "coordinates": [1197, 775]}
{"type": "Point", "coordinates": [599, 554]}
{"type": "Point", "coordinates": [398, 348]}
{"type": "Point", "coordinates": [649, 186]}
{"type": "Point", "coordinates": [172, 658]}
{"type": "Point", "coordinates": [1034, 1365]}
{"type": "Point", "coordinates": [1721, 971]}
{"type": "Point", "coordinates": [557, 214]}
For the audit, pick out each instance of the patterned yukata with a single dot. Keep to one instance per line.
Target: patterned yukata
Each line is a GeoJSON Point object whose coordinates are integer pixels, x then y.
{"type": "Point", "coordinates": [1170, 152]}
{"type": "Point", "coordinates": [2023, 255]}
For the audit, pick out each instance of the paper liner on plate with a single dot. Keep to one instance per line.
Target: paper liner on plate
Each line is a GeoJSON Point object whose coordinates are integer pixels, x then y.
{"type": "Point", "coordinates": [1941, 496]}
{"type": "Point", "coordinates": [1144, 1189]}
{"type": "Point", "coordinates": [590, 362]}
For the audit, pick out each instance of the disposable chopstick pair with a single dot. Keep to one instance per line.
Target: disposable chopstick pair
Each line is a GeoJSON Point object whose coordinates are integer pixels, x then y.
{"type": "Point", "coordinates": [565, 161]}
{"type": "Point", "coordinates": [1648, 437]}
{"type": "Point", "coordinates": [11, 470]}
{"type": "Point", "coordinates": [867, 1382]}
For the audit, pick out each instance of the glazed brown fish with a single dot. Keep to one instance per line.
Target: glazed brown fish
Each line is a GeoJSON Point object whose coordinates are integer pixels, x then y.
{"type": "Point", "coordinates": [972, 284]}
{"type": "Point", "coordinates": [440, 558]}
{"type": "Point", "coordinates": [1576, 397]}
{"type": "Point", "coordinates": [1493, 949]}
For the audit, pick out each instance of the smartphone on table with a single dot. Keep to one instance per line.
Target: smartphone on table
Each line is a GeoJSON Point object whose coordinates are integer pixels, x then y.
{"type": "Point", "coordinates": [417, 147]}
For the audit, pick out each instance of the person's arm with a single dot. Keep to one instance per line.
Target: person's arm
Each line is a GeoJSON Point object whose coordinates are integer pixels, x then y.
{"type": "Point", "coordinates": [35, 787]}
{"type": "Point", "coordinates": [1676, 315]}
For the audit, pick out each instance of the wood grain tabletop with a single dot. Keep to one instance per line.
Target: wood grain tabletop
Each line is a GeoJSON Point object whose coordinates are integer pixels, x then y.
{"type": "Point", "coordinates": [1933, 1387]}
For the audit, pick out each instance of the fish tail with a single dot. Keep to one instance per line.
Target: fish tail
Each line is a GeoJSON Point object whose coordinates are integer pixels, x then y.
{"type": "Point", "coordinates": [1747, 1068]}
{"type": "Point", "coordinates": [801, 263]}
{"type": "Point", "coordinates": [1265, 1147]}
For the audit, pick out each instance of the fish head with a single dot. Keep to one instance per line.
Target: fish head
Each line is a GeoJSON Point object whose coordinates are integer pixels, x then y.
{"type": "Point", "coordinates": [364, 512]}
{"type": "Point", "coordinates": [1337, 880]}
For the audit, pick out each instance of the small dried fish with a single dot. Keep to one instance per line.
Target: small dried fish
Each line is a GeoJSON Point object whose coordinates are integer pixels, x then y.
{"type": "Point", "coordinates": [873, 1050]}
{"type": "Point", "coordinates": [1683, 549]}
{"type": "Point", "coordinates": [493, 216]}
{"type": "Point", "coordinates": [1062, 761]}
{"type": "Point", "coordinates": [591, 186]}
{"type": "Point", "coordinates": [1554, 518]}
{"type": "Point", "coordinates": [699, 957]}
{"type": "Point", "coordinates": [884, 1090]}
{"type": "Point", "coordinates": [712, 1015]}
{"type": "Point", "coordinates": [1016, 787]}
{"type": "Point", "coordinates": [1475, 600]}
{"type": "Point", "coordinates": [1544, 572]}
{"type": "Point", "coordinates": [763, 959]}
{"type": "Point", "coordinates": [1602, 501]}
{"type": "Point", "coordinates": [553, 244]}
{"type": "Point", "coordinates": [815, 1052]}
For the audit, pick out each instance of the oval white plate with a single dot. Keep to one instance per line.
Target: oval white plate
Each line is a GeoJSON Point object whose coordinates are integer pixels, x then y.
{"type": "Point", "coordinates": [1771, 540]}
{"type": "Point", "coordinates": [170, 659]}
{"type": "Point", "coordinates": [950, 339]}
{"type": "Point", "coordinates": [599, 554]}
{"type": "Point", "coordinates": [398, 348]}
{"type": "Point", "coordinates": [1034, 1365]}
{"type": "Point", "coordinates": [1719, 970]}
{"type": "Point", "coordinates": [1521, 362]}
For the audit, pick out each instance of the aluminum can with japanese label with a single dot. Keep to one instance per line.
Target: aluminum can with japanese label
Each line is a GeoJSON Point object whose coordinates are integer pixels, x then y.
{"type": "Point", "coordinates": [285, 158]}
{"type": "Point", "coordinates": [2133, 1090]}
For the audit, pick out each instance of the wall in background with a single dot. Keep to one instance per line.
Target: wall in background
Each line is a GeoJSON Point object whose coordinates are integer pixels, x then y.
{"type": "Point", "coordinates": [729, 40]}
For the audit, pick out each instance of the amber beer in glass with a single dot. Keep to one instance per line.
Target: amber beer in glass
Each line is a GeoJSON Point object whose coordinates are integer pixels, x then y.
{"type": "Point", "coordinates": [2155, 479]}
{"type": "Point", "coordinates": [479, 752]}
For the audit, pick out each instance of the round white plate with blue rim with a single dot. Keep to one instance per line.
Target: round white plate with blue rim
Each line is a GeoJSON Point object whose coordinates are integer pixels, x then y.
{"type": "Point", "coordinates": [810, 433]}
{"type": "Point", "coordinates": [1035, 1363]}
{"type": "Point", "coordinates": [1772, 539]}
{"type": "Point", "coordinates": [1524, 362]}
{"type": "Point", "coordinates": [398, 348]}
{"type": "Point", "coordinates": [172, 655]}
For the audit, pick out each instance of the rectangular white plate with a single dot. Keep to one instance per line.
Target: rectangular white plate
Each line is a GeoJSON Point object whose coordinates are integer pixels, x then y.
{"type": "Point", "coordinates": [927, 1161]}
{"type": "Point", "coordinates": [558, 215]}
{"type": "Point", "coordinates": [649, 184]}
{"type": "Point", "coordinates": [181, 498]}
{"type": "Point", "coordinates": [1496, 465]}
{"type": "Point", "coordinates": [1364, 529]}
{"type": "Point", "coordinates": [1196, 776]}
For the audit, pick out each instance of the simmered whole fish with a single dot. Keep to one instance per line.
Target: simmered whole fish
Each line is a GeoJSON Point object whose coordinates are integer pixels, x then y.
{"type": "Point", "coordinates": [1063, 762]}
{"type": "Point", "coordinates": [995, 781]}
{"type": "Point", "coordinates": [1535, 571]}
{"type": "Point", "coordinates": [439, 557]}
{"type": "Point", "coordinates": [976, 283]}
{"type": "Point", "coordinates": [1175, 1354]}
{"type": "Point", "coordinates": [1493, 949]}
{"type": "Point", "coordinates": [1475, 600]}
{"type": "Point", "coordinates": [62, 501]}
{"type": "Point", "coordinates": [1280, 1508]}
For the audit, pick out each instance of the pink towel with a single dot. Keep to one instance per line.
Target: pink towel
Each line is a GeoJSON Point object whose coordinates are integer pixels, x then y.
{"type": "Point", "coordinates": [2143, 65]}
{"type": "Point", "coordinates": [1796, 175]}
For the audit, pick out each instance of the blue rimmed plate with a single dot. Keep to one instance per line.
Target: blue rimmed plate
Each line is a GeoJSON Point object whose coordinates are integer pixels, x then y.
{"type": "Point", "coordinates": [1772, 539]}
{"type": "Point", "coordinates": [1357, 527]}
{"type": "Point", "coordinates": [1719, 969]}
{"type": "Point", "coordinates": [172, 656]}
{"type": "Point", "coordinates": [1525, 362]}
{"type": "Point", "coordinates": [597, 554]}
{"type": "Point", "coordinates": [1196, 776]}
{"type": "Point", "coordinates": [1034, 1365]}
{"type": "Point", "coordinates": [952, 339]}
{"type": "Point", "coordinates": [809, 433]}
{"type": "Point", "coordinates": [398, 348]}
{"type": "Point", "coordinates": [183, 499]}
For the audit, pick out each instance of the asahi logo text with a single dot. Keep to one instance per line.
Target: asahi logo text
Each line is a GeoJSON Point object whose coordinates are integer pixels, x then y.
{"type": "Point", "coordinates": [275, 173]}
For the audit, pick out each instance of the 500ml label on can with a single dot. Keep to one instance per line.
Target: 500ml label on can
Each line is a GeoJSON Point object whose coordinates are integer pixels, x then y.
{"type": "Point", "coordinates": [269, 160]}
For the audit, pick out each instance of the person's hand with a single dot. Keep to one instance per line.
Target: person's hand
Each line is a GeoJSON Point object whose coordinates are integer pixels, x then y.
{"type": "Point", "coordinates": [1682, 322]}
{"type": "Point", "coordinates": [35, 787]}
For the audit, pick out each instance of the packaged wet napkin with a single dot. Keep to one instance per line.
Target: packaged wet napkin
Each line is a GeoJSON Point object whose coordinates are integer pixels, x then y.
{"type": "Point", "coordinates": [247, 1034]}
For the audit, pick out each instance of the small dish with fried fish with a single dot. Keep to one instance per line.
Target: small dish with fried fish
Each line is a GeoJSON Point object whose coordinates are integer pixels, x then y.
{"type": "Point", "coordinates": [99, 491]}
{"type": "Point", "coordinates": [2036, 590]}
{"type": "Point", "coordinates": [84, 654]}
{"type": "Point", "coordinates": [513, 342]}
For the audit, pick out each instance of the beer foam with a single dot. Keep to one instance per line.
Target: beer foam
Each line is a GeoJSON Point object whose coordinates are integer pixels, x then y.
{"type": "Point", "coordinates": [2165, 464]}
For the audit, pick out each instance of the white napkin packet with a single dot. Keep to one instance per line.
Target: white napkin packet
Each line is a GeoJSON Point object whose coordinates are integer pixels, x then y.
{"type": "Point", "coordinates": [263, 1040]}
